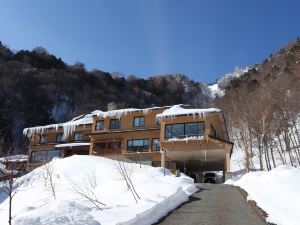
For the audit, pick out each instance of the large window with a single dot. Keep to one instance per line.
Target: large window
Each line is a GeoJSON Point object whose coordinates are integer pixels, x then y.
{"type": "Point", "coordinates": [99, 125]}
{"type": "Point", "coordinates": [155, 144]}
{"type": "Point", "coordinates": [136, 145]}
{"type": "Point", "coordinates": [78, 136]}
{"type": "Point", "coordinates": [59, 138]}
{"type": "Point", "coordinates": [44, 156]}
{"type": "Point", "coordinates": [182, 130]}
{"type": "Point", "coordinates": [44, 139]}
{"type": "Point", "coordinates": [114, 124]}
{"type": "Point", "coordinates": [139, 121]}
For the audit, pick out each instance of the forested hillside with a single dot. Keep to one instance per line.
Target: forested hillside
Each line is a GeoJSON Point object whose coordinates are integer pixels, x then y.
{"type": "Point", "coordinates": [37, 88]}
{"type": "Point", "coordinates": [262, 107]}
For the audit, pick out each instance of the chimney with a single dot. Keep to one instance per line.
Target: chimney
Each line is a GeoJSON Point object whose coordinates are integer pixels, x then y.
{"type": "Point", "coordinates": [111, 106]}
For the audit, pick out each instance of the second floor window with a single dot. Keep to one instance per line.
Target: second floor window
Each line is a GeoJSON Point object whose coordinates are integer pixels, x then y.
{"type": "Point", "coordinates": [59, 138]}
{"type": "Point", "coordinates": [78, 136]}
{"type": "Point", "coordinates": [183, 130]}
{"type": "Point", "coordinates": [99, 125]}
{"type": "Point", "coordinates": [136, 145]}
{"type": "Point", "coordinates": [139, 121]}
{"type": "Point", "coordinates": [213, 132]}
{"type": "Point", "coordinates": [114, 124]}
{"type": "Point", "coordinates": [44, 139]}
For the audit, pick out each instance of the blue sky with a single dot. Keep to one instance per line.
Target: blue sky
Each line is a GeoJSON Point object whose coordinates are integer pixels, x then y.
{"type": "Point", "coordinates": [202, 39]}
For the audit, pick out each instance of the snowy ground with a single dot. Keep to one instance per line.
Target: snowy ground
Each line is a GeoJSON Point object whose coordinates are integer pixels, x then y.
{"type": "Point", "coordinates": [34, 202]}
{"type": "Point", "coordinates": [277, 192]}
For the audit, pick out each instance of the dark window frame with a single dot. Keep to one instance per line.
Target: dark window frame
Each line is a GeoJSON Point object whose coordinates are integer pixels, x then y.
{"type": "Point", "coordinates": [142, 148]}
{"type": "Point", "coordinates": [99, 121]}
{"type": "Point", "coordinates": [139, 119]}
{"type": "Point", "coordinates": [114, 126]}
{"type": "Point", "coordinates": [184, 129]}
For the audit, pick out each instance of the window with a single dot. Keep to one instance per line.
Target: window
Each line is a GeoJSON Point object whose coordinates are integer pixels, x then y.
{"type": "Point", "coordinates": [182, 130]}
{"type": "Point", "coordinates": [155, 144]}
{"type": "Point", "coordinates": [139, 121]}
{"type": "Point", "coordinates": [99, 125]}
{"type": "Point", "coordinates": [59, 138]}
{"type": "Point", "coordinates": [44, 139]}
{"type": "Point", "coordinates": [114, 124]}
{"type": "Point", "coordinates": [78, 136]}
{"type": "Point", "coordinates": [136, 145]}
{"type": "Point", "coordinates": [44, 156]}
{"type": "Point", "coordinates": [213, 132]}
{"type": "Point", "coordinates": [158, 120]}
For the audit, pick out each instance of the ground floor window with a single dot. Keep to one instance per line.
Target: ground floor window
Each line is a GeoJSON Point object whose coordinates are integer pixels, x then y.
{"type": "Point", "coordinates": [137, 145]}
{"type": "Point", "coordinates": [44, 156]}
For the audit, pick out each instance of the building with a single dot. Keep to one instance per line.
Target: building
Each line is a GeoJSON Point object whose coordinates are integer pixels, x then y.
{"type": "Point", "coordinates": [175, 137]}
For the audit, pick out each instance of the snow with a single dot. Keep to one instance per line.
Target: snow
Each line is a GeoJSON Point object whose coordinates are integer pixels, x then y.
{"type": "Point", "coordinates": [178, 110]}
{"type": "Point", "coordinates": [276, 192]}
{"type": "Point", "coordinates": [70, 126]}
{"type": "Point", "coordinates": [187, 139]}
{"type": "Point", "coordinates": [71, 145]}
{"type": "Point", "coordinates": [34, 204]}
{"type": "Point", "coordinates": [14, 158]}
{"type": "Point", "coordinates": [215, 91]}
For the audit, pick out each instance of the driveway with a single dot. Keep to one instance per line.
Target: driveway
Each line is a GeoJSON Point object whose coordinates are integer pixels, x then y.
{"type": "Point", "coordinates": [214, 204]}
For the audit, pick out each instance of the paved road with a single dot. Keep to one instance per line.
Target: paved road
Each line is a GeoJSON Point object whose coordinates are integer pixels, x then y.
{"type": "Point", "coordinates": [214, 204]}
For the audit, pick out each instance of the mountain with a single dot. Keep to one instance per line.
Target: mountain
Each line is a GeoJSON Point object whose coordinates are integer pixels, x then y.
{"type": "Point", "coordinates": [37, 88]}
{"type": "Point", "coordinates": [262, 108]}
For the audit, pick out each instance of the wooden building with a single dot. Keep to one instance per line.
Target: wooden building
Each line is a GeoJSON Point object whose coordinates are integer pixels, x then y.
{"type": "Point", "coordinates": [176, 137]}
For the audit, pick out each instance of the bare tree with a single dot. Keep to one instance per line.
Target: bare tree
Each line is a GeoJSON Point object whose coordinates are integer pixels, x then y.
{"type": "Point", "coordinates": [9, 184]}
{"type": "Point", "coordinates": [126, 175]}
{"type": "Point", "coordinates": [48, 177]}
{"type": "Point", "coordinates": [88, 191]}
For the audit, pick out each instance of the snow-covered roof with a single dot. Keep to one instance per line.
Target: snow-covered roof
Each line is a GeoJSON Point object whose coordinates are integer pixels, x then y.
{"type": "Point", "coordinates": [70, 126]}
{"type": "Point", "coordinates": [178, 110]}
{"type": "Point", "coordinates": [118, 113]}
{"type": "Point", "coordinates": [72, 145]}
{"type": "Point", "coordinates": [14, 158]}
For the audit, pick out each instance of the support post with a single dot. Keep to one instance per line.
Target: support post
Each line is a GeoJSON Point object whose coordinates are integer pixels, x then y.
{"type": "Point", "coordinates": [163, 160]}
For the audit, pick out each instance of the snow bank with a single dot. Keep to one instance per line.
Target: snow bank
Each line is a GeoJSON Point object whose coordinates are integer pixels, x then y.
{"type": "Point", "coordinates": [34, 203]}
{"type": "Point", "coordinates": [178, 110]}
{"type": "Point", "coordinates": [277, 192]}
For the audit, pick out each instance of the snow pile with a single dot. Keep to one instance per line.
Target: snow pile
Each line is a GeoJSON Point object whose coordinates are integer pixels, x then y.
{"type": "Point", "coordinates": [14, 158]}
{"type": "Point", "coordinates": [178, 110]}
{"type": "Point", "coordinates": [276, 192]}
{"type": "Point", "coordinates": [35, 204]}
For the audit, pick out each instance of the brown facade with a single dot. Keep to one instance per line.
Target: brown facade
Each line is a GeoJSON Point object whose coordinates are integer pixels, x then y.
{"type": "Point", "coordinates": [201, 141]}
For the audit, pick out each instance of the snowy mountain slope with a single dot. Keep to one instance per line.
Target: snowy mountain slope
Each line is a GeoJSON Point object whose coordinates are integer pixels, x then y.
{"type": "Point", "coordinates": [34, 203]}
{"type": "Point", "coordinates": [218, 89]}
{"type": "Point", "coordinates": [275, 191]}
